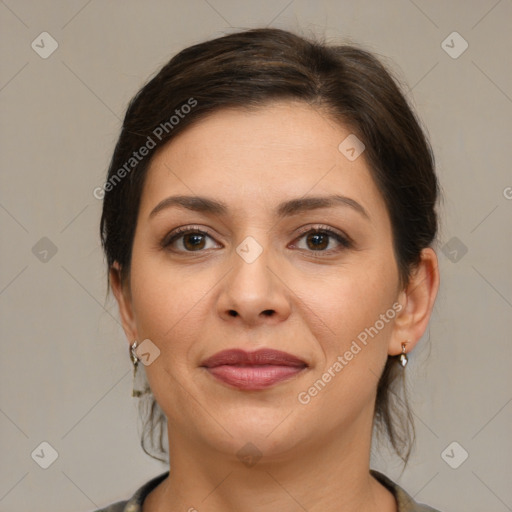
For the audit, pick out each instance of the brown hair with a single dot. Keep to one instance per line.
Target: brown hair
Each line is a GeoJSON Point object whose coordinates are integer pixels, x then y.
{"type": "Point", "coordinates": [247, 70]}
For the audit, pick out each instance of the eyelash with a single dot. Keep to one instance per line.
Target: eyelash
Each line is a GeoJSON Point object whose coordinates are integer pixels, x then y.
{"type": "Point", "coordinates": [343, 240]}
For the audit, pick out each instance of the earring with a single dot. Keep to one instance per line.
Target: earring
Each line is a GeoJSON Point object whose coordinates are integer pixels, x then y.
{"type": "Point", "coordinates": [133, 354]}
{"type": "Point", "coordinates": [135, 361]}
{"type": "Point", "coordinates": [403, 356]}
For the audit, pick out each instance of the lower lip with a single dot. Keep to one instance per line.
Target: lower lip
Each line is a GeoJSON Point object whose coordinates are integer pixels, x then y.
{"type": "Point", "coordinates": [254, 377]}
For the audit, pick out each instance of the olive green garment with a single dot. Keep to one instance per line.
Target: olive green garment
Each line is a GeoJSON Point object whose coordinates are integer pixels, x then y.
{"type": "Point", "coordinates": [134, 504]}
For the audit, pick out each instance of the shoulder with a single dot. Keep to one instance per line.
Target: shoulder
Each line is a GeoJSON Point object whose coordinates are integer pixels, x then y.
{"type": "Point", "coordinates": [120, 506]}
{"type": "Point", "coordinates": [405, 502]}
{"type": "Point", "coordinates": [134, 504]}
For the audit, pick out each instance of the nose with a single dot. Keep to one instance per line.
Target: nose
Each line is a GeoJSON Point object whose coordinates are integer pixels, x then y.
{"type": "Point", "coordinates": [254, 291]}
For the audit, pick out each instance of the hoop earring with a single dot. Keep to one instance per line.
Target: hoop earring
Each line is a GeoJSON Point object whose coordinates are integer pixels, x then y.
{"type": "Point", "coordinates": [403, 356]}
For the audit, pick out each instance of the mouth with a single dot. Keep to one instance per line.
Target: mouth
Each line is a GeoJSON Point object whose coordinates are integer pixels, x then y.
{"type": "Point", "coordinates": [253, 370]}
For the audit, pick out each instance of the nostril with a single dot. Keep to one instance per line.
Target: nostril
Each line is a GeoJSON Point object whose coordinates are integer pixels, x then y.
{"type": "Point", "coordinates": [232, 312]}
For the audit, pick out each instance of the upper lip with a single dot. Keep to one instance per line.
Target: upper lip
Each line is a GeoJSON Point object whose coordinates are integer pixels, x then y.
{"type": "Point", "coordinates": [264, 356]}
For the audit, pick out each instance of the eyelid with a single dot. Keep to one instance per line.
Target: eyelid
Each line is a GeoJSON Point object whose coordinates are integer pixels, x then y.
{"type": "Point", "coordinates": [323, 227]}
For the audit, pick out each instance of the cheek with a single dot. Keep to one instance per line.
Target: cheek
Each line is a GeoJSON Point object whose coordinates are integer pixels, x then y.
{"type": "Point", "coordinates": [169, 304]}
{"type": "Point", "coordinates": [354, 341]}
{"type": "Point", "coordinates": [352, 299]}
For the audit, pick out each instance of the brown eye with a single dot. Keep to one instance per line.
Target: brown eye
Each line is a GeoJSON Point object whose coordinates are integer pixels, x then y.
{"type": "Point", "coordinates": [193, 241]}
{"type": "Point", "coordinates": [186, 240]}
{"type": "Point", "coordinates": [319, 239]}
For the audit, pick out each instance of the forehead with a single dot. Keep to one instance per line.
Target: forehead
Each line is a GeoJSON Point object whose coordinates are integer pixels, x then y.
{"type": "Point", "coordinates": [257, 158]}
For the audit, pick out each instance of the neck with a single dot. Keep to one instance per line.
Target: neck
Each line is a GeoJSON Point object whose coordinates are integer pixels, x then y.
{"type": "Point", "coordinates": [318, 475]}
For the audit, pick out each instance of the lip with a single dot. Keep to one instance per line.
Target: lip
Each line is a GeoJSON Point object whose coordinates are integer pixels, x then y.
{"type": "Point", "coordinates": [253, 370]}
{"type": "Point", "coordinates": [263, 356]}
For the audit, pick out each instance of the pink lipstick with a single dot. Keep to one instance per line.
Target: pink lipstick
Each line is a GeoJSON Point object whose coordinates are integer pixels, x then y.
{"type": "Point", "coordinates": [253, 370]}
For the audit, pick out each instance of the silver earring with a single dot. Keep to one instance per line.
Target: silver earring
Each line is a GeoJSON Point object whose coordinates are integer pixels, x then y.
{"type": "Point", "coordinates": [403, 356]}
{"type": "Point", "coordinates": [135, 361]}
{"type": "Point", "coordinates": [133, 354]}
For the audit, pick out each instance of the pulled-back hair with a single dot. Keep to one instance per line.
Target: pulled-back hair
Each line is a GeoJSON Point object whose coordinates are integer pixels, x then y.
{"type": "Point", "coordinates": [247, 70]}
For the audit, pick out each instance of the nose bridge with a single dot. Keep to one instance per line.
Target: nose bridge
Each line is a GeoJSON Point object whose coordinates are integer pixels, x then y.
{"type": "Point", "coordinates": [251, 275]}
{"type": "Point", "coordinates": [252, 289]}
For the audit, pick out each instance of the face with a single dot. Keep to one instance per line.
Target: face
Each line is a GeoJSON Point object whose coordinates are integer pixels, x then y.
{"type": "Point", "coordinates": [318, 281]}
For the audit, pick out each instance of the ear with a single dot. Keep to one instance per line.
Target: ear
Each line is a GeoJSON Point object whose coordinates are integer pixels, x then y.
{"type": "Point", "coordinates": [123, 296]}
{"type": "Point", "coordinates": [417, 301]}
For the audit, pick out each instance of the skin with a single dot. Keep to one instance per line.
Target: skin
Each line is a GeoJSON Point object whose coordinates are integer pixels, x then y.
{"type": "Point", "coordinates": [293, 297]}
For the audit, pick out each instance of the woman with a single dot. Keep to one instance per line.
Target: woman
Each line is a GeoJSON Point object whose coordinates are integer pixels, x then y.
{"type": "Point", "coordinates": [268, 219]}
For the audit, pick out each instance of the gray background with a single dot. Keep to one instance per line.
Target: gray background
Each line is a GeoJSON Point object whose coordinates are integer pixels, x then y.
{"type": "Point", "coordinates": [65, 376]}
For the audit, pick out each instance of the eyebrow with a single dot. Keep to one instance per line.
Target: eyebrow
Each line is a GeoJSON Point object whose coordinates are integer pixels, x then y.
{"type": "Point", "coordinates": [285, 209]}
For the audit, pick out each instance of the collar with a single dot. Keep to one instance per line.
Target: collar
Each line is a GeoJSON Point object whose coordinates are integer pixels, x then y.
{"type": "Point", "coordinates": [405, 502]}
